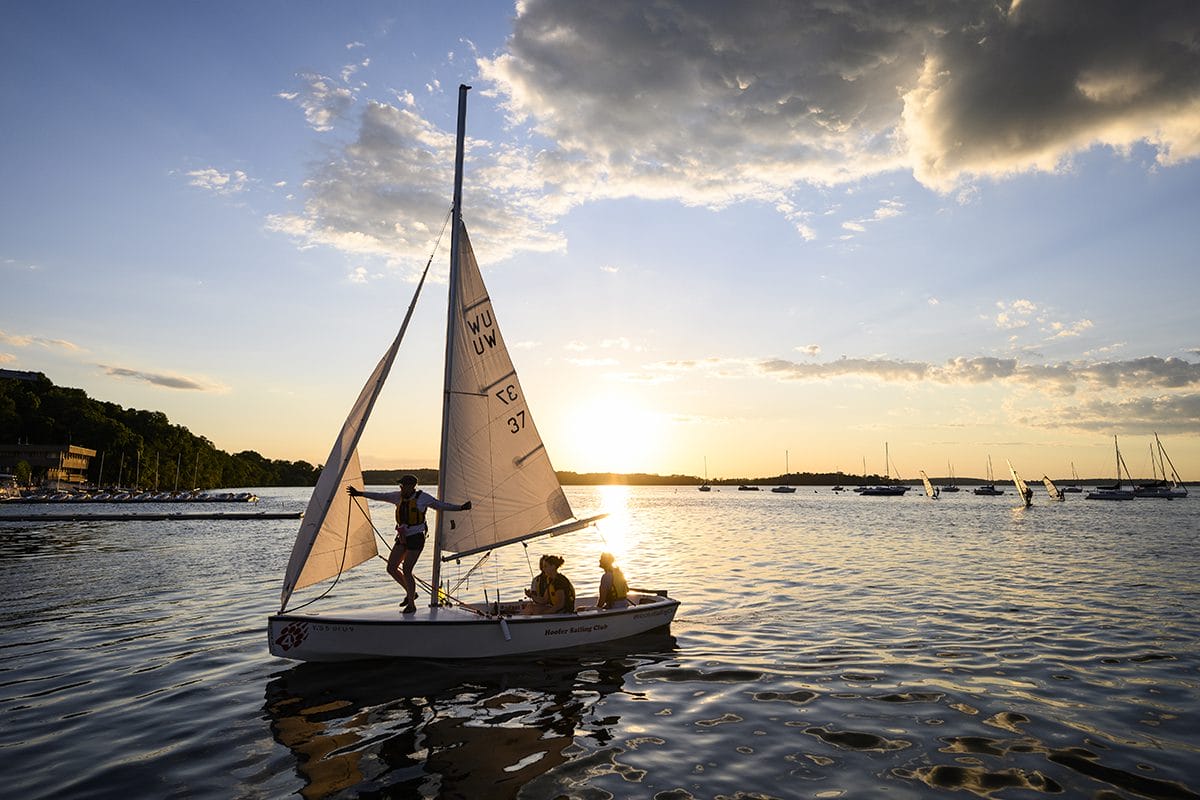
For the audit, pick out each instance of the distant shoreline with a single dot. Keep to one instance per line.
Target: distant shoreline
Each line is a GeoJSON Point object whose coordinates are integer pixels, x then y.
{"type": "Point", "coordinates": [428, 477]}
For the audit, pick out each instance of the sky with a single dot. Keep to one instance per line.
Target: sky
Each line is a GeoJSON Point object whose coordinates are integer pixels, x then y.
{"type": "Point", "coordinates": [718, 237]}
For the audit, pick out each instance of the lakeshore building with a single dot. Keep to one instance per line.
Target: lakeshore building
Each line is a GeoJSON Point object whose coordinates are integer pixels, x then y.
{"type": "Point", "coordinates": [63, 464]}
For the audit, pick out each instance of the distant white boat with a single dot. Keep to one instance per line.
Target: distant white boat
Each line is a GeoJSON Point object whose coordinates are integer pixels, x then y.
{"type": "Point", "coordinates": [787, 470]}
{"type": "Point", "coordinates": [704, 487]}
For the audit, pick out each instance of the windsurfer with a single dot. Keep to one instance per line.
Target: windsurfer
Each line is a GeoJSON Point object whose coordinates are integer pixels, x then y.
{"type": "Point", "coordinates": [411, 506]}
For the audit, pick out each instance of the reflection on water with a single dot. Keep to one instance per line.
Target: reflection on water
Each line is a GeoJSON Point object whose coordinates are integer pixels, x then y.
{"type": "Point", "coordinates": [466, 730]}
{"type": "Point", "coordinates": [827, 647]}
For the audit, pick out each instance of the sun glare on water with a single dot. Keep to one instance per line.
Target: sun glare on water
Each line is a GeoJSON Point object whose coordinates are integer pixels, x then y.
{"type": "Point", "coordinates": [614, 501]}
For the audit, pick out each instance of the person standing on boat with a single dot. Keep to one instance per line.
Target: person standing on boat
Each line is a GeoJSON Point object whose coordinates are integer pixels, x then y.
{"type": "Point", "coordinates": [613, 587]}
{"type": "Point", "coordinates": [551, 591]}
{"type": "Point", "coordinates": [411, 505]}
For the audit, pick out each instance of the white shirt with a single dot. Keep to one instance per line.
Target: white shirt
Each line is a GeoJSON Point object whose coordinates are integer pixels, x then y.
{"type": "Point", "coordinates": [425, 501]}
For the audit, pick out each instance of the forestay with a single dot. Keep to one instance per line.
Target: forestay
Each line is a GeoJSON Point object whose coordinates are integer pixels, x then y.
{"type": "Point", "coordinates": [494, 455]}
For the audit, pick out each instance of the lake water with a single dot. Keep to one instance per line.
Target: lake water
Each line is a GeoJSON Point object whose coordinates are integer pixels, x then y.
{"type": "Point", "coordinates": [828, 646]}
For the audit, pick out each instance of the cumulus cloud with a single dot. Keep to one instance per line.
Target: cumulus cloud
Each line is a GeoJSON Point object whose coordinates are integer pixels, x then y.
{"type": "Point", "coordinates": [1178, 413]}
{"type": "Point", "coordinates": [721, 101]}
{"type": "Point", "coordinates": [164, 380]}
{"type": "Point", "coordinates": [1150, 373]}
{"type": "Point", "coordinates": [379, 195]}
{"type": "Point", "coordinates": [710, 103]}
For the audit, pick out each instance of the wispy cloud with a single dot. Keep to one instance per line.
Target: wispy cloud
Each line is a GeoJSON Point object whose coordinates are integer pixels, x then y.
{"type": "Point", "coordinates": [164, 380]}
{"type": "Point", "coordinates": [1139, 375]}
{"type": "Point", "coordinates": [23, 340]}
{"type": "Point", "coordinates": [322, 99]}
{"type": "Point", "coordinates": [220, 182]}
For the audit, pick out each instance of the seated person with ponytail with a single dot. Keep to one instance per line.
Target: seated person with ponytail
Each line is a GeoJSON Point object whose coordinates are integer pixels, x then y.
{"type": "Point", "coordinates": [613, 588]}
{"type": "Point", "coordinates": [551, 592]}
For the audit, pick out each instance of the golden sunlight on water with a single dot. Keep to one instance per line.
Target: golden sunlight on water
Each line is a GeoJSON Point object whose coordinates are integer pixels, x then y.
{"type": "Point", "coordinates": [827, 645]}
{"type": "Point", "coordinates": [614, 529]}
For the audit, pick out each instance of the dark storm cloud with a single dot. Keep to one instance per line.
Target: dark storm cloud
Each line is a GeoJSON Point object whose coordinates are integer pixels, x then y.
{"type": "Point", "coordinates": [732, 99]}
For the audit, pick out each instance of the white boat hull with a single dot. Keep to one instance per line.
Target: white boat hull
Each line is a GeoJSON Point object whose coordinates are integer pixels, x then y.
{"type": "Point", "coordinates": [456, 632]}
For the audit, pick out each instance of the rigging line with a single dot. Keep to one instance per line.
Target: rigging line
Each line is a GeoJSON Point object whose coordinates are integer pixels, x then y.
{"type": "Point", "coordinates": [528, 563]}
{"type": "Point", "coordinates": [471, 571]}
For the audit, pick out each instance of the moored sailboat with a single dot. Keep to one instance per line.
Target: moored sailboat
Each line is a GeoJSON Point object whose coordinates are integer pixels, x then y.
{"type": "Point", "coordinates": [1073, 488]}
{"type": "Point", "coordinates": [787, 467]}
{"type": "Point", "coordinates": [885, 490]}
{"type": "Point", "coordinates": [1169, 487]}
{"type": "Point", "coordinates": [989, 489]}
{"type": "Point", "coordinates": [1114, 492]}
{"type": "Point", "coordinates": [951, 486]}
{"type": "Point", "coordinates": [492, 454]}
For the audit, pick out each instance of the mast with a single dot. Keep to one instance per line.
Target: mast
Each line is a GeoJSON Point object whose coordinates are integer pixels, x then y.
{"type": "Point", "coordinates": [1175, 479]}
{"type": "Point", "coordinates": [451, 314]}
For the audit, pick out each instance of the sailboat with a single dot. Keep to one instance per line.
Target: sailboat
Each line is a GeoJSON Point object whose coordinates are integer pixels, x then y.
{"type": "Point", "coordinates": [1114, 492]}
{"type": "Point", "coordinates": [1074, 487]}
{"type": "Point", "coordinates": [1169, 487]}
{"type": "Point", "coordinates": [1052, 490]}
{"type": "Point", "coordinates": [787, 470]}
{"type": "Point", "coordinates": [1022, 488]}
{"type": "Point", "coordinates": [951, 486]}
{"type": "Point", "coordinates": [704, 487]}
{"type": "Point", "coordinates": [492, 454]}
{"type": "Point", "coordinates": [930, 489]}
{"type": "Point", "coordinates": [885, 490]}
{"type": "Point", "coordinates": [989, 488]}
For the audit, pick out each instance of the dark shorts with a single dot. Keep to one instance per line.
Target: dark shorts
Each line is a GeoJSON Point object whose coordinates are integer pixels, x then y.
{"type": "Point", "coordinates": [414, 542]}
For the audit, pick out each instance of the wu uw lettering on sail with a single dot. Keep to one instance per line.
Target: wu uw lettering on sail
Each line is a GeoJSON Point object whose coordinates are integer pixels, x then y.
{"type": "Point", "coordinates": [494, 454]}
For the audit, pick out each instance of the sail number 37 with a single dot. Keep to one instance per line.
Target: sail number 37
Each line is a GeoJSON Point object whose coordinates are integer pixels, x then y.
{"type": "Point", "coordinates": [508, 395]}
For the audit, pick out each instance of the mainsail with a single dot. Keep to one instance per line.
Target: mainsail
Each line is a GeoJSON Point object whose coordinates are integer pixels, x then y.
{"type": "Point", "coordinates": [1051, 489]}
{"type": "Point", "coordinates": [1022, 489]}
{"type": "Point", "coordinates": [493, 456]}
{"type": "Point", "coordinates": [333, 535]}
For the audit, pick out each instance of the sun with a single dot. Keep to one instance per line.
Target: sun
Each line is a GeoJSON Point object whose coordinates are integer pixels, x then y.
{"type": "Point", "coordinates": [613, 432]}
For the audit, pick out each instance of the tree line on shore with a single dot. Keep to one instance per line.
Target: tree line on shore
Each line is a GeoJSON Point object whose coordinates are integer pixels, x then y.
{"type": "Point", "coordinates": [134, 448]}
